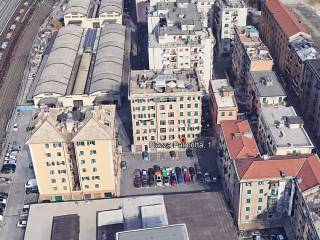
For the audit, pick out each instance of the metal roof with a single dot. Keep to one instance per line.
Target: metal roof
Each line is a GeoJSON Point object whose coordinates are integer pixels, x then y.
{"type": "Point", "coordinates": [57, 71]}
{"type": "Point", "coordinates": [108, 68]}
{"type": "Point", "coordinates": [111, 6]}
{"type": "Point", "coordinates": [78, 6]}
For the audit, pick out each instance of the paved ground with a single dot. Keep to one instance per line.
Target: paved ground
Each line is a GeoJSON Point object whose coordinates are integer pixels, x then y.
{"type": "Point", "coordinates": [205, 214]}
{"type": "Point", "coordinates": [206, 159]}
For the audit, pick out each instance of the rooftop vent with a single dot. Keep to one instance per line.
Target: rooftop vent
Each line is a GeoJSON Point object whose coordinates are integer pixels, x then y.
{"type": "Point", "coordinates": [266, 80]}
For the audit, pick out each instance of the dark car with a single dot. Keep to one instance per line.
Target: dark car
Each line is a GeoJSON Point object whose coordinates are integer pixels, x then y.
{"type": "Point", "coordinates": [137, 182]}
{"type": "Point", "coordinates": [192, 173]}
{"type": "Point", "coordinates": [123, 165]}
{"type": "Point", "coordinates": [156, 168]}
{"type": "Point", "coordinates": [8, 168]}
{"type": "Point", "coordinates": [137, 173]}
{"type": "Point", "coordinates": [151, 171]}
{"type": "Point", "coordinates": [178, 170]}
{"type": "Point", "coordinates": [197, 168]}
{"type": "Point", "coordinates": [200, 177]}
{"type": "Point", "coordinates": [152, 181]}
{"type": "Point", "coordinates": [173, 180]}
{"type": "Point", "coordinates": [189, 152]}
{"type": "Point", "coordinates": [32, 190]}
{"type": "Point", "coordinates": [3, 195]}
{"type": "Point", "coordinates": [207, 177]}
{"type": "Point", "coordinates": [173, 154]}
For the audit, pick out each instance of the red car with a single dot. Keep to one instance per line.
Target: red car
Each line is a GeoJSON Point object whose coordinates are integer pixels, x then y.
{"type": "Point", "coordinates": [187, 177]}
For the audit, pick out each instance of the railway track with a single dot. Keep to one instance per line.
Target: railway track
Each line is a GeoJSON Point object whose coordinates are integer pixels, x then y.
{"type": "Point", "coordinates": [7, 9]}
{"type": "Point", "coordinates": [15, 68]}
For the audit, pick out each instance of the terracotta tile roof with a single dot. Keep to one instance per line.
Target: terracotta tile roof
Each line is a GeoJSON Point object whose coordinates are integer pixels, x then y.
{"type": "Point", "coordinates": [288, 22]}
{"type": "Point", "coordinates": [239, 139]}
{"type": "Point", "coordinates": [307, 167]}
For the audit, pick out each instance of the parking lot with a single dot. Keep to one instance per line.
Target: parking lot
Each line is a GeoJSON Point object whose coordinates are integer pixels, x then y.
{"type": "Point", "coordinates": [263, 234]}
{"type": "Point", "coordinates": [205, 158]}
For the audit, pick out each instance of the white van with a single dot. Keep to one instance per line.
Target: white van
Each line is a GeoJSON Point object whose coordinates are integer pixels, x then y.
{"type": "Point", "coordinates": [31, 184]}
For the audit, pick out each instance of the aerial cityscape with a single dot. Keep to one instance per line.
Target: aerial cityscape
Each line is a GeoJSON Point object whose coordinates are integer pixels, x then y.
{"type": "Point", "coordinates": [159, 119]}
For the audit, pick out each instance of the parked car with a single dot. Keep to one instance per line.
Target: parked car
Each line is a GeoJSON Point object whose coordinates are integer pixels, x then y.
{"type": "Point", "coordinates": [26, 208]}
{"type": "Point", "coordinates": [31, 183]}
{"type": "Point", "coordinates": [31, 165]}
{"type": "Point", "coordinates": [200, 177]}
{"type": "Point", "coordinates": [137, 173]}
{"type": "Point", "coordinates": [189, 152]}
{"type": "Point", "coordinates": [145, 156]}
{"type": "Point", "coordinates": [197, 168]}
{"type": "Point", "coordinates": [164, 172]}
{"type": "Point", "coordinates": [207, 177]}
{"type": "Point", "coordinates": [152, 181]}
{"type": "Point", "coordinates": [15, 127]}
{"type": "Point", "coordinates": [137, 182]}
{"type": "Point", "coordinates": [151, 171]}
{"type": "Point", "coordinates": [179, 178]}
{"type": "Point", "coordinates": [3, 201]}
{"type": "Point", "coordinates": [156, 168]}
{"type": "Point", "coordinates": [32, 190]}
{"type": "Point", "coordinates": [187, 177]}
{"type": "Point", "coordinates": [159, 179]}
{"type": "Point", "coordinates": [173, 180]}
{"type": "Point", "coordinates": [123, 165]}
{"type": "Point", "coordinates": [178, 170]}
{"type": "Point", "coordinates": [5, 180]}
{"type": "Point", "coordinates": [166, 181]}
{"type": "Point", "coordinates": [22, 224]}
{"type": "Point", "coordinates": [8, 168]}
{"type": "Point", "coordinates": [192, 173]}
{"type": "Point", "coordinates": [214, 178]}
{"type": "Point", "coordinates": [144, 178]}
{"type": "Point", "coordinates": [1, 214]}
{"type": "Point", "coordinates": [3, 195]}
{"type": "Point", "coordinates": [173, 154]}
{"type": "Point", "coordinates": [184, 169]}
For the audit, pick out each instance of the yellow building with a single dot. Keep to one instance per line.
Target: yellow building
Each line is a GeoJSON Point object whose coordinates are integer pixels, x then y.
{"type": "Point", "coordinates": [75, 153]}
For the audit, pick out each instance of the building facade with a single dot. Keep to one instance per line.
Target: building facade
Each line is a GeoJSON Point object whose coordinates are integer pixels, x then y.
{"type": "Point", "coordinates": [310, 95]}
{"type": "Point", "coordinates": [178, 39]}
{"type": "Point", "coordinates": [227, 15]}
{"type": "Point", "coordinates": [249, 54]}
{"type": "Point", "coordinates": [165, 109]}
{"type": "Point", "coordinates": [236, 141]}
{"type": "Point", "coordinates": [281, 132]}
{"type": "Point", "coordinates": [278, 28]}
{"type": "Point", "coordinates": [75, 153]}
{"type": "Point", "coordinates": [223, 104]}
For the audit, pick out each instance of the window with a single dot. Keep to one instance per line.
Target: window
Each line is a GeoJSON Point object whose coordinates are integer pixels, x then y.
{"type": "Point", "coordinates": [196, 105]}
{"type": "Point", "coordinates": [53, 180]}
{"type": "Point", "coordinates": [181, 105]}
{"type": "Point", "coordinates": [189, 114]}
{"type": "Point", "coordinates": [65, 187]}
{"type": "Point", "coordinates": [46, 145]}
{"type": "Point", "coordinates": [137, 131]}
{"type": "Point", "coordinates": [137, 123]}
{"type": "Point", "coordinates": [152, 138]}
{"type": "Point", "coordinates": [138, 138]}
{"type": "Point", "coordinates": [230, 113]}
{"type": "Point", "coordinates": [248, 184]}
{"type": "Point", "coordinates": [91, 143]}
{"type": "Point", "coordinates": [152, 123]}
{"type": "Point", "coordinates": [188, 105]}
{"type": "Point", "coordinates": [96, 185]}
{"type": "Point", "coordinates": [162, 122]}
{"type": "Point", "coordinates": [84, 170]}
{"type": "Point", "coordinates": [162, 107]}
{"type": "Point", "coordinates": [259, 208]}
{"type": "Point", "coordinates": [181, 114]}
{"type": "Point", "coordinates": [222, 114]}
{"type": "Point", "coordinates": [48, 164]}
{"type": "Point", "coordinates": [81, 153]}
{"type": "Point", "coordinates": [58, 154]}
{"type": "Point", "coordinates": [54, 188]}
{"type": "Point", "coordinates": [48, 154]}
{"type": "Point", "coordinates": [93, 161]}
{"type": "Point", "coordinates": [63, 180]}
{"type": "Point", "coordinates": [93, 152]}
{"type": "Point", "coordinates": [94, 169]}
{"type": "Point", "coordinates": [249, 191]}
{"type": "Point", "coordinates": [260, 200]}
{"type": "Point", "coordinates": [264, 100]}
{"type": "Point", "coordinates": [248, 200]}
{"type": "Point", "coordinates": [247, 217]}
{"type": "Point", "coordinates": [86, 186]}
{"type": "Point", "coordinates": [260, 183]}
{"type": "Point", "coordinates": [196, 113]}
{"type": "Point", "coordinates": [260, 190]}
{"type": "Point", "coordinates": [247, 209]}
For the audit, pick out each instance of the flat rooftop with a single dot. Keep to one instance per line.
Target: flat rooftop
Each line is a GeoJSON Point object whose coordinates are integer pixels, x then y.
{"type": "Point", "coordinates": [170, 232]}
{"type": "Point", "coordinates": [267, 84]}
{"type": "Point", "coordinates": [219, 85]}
{"type": "Point", "coordinates": [205, 215]}
{"type": "Point", "coordinates": [42, 214]}
{"type": "Point", "coordinates": [149, 82]}
{"type": "Point", "coordinates": [275, 116]}
{"type": "Point", "coordinates": [305, 48]}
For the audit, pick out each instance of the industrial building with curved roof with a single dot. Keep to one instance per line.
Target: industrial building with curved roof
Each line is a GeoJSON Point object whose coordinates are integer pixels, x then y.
{"type": "Point", "coordinates": [108, 67]}
{"type": "Point", "coordinates": [58, 69]}
{"type": "Point", "coordinates": [78, 6]}
{"type": "Point", "coordinates": [111, 6]}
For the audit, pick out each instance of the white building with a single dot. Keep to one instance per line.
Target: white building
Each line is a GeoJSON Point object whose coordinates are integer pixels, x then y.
{"type": "Point", "coordinates": [227, 15]}
{"type": "Point", "coordinates": [178, 39]}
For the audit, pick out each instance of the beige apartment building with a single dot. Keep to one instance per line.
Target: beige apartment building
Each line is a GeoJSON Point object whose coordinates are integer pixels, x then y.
{"type": "Point", "coordinates": [281, 132]}
{"type": "Point", "coordinates": [249, 53]}
{"type": "Point", "coordinates": [270, 192]}
{"type": "Point", "coordinates": [75, 153]}
{"type": "Point", "coordinates": [223, 101]}
{"type": "Point", "coordinates": [165, 109]}
{"type": "Point", "coordinates": [236, 141]}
